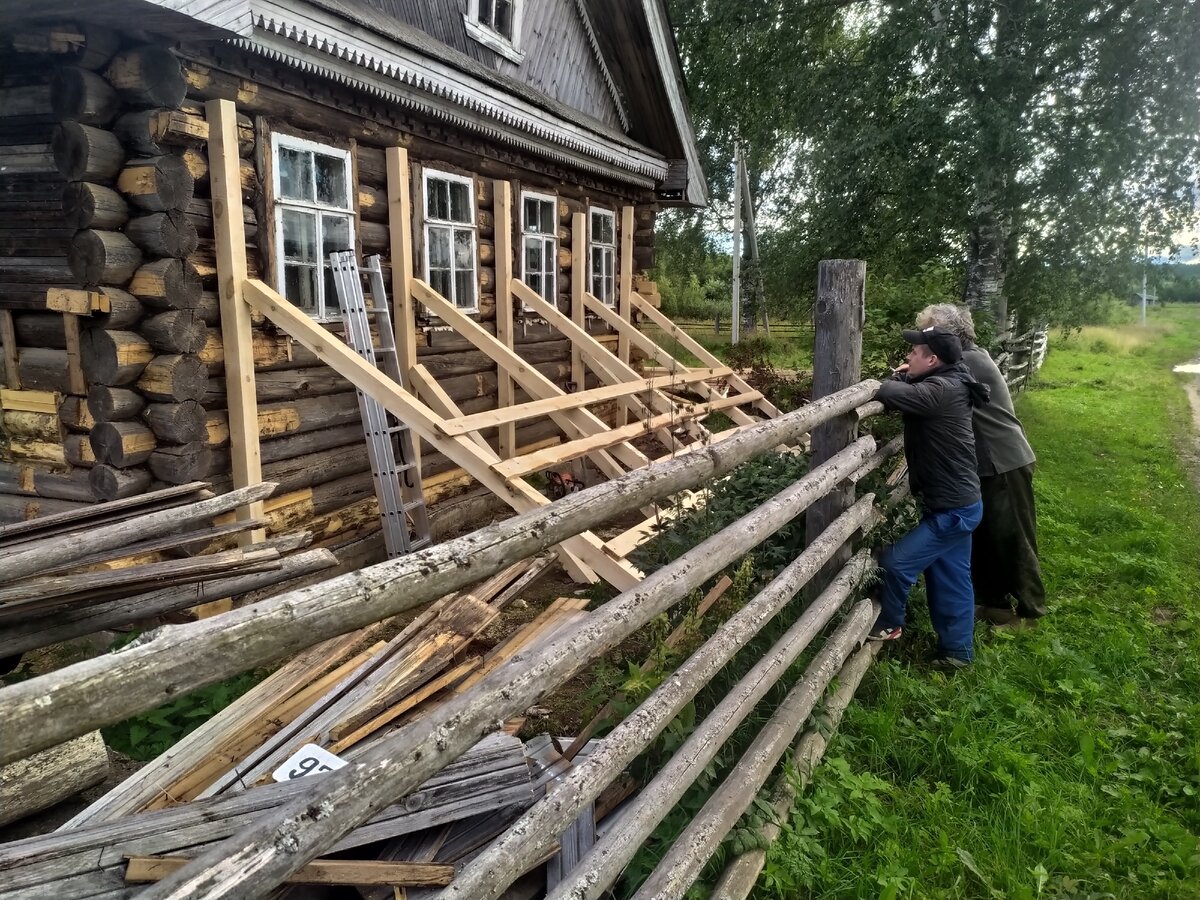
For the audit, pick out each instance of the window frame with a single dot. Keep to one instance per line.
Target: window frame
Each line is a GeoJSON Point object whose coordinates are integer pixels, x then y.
{"type": "Point", "coordinates": [551, 239]}
{"type": "Point", "coordinates": [593, 246]}
{"type": "Point", "coordinates": [281, 141]}
{"type": "Point", "coordinates": [506, 46]}
{"type": "Point", "coordinates": [473, 225]}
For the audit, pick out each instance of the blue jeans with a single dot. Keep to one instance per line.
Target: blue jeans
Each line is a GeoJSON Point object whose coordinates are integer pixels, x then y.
{"type": "Point", "coordinates": [940, 546]}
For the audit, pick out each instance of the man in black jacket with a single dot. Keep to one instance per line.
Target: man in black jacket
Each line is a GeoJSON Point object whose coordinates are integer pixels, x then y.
{"type": "Point", "coordinates": [935, 394]}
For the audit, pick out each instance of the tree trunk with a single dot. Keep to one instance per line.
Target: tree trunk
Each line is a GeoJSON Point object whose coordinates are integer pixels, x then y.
{"type": "Point", "coordinates": [988, 263]}
{"type": "Point", "coordinates": [110, 483]}
{"type": "Point", "coordinates": [114, 357]}
{"type": "Point", "coordinates": [167, 284]}
{"type": "Point", "coordinates": [87, 205]}
{"type": "Point", "coordinates": [122, 444]}
{"type": "Point", "coordinates": [180, 464]}
{"type": "Point", "coordinates": [78, 95]}
{"type": "Point", "coordinates": [50, 776]}
{"type": "Point", "coordinates": [164, 234]}
{"type": "Point", "coordinates": [173, 378]}
{"type": "Point", "coordinates": [175, 331]}
{"type": "Point", "coordinates": [103, 257]}
{"type": "Point", "coordinates": [178, 423]}
{"type": "Point", "coordinates": [113, 404]}
{"type": "Point", "coordinates": [157, 184]}
{"type": "Point", "coordinates": [148, 76]}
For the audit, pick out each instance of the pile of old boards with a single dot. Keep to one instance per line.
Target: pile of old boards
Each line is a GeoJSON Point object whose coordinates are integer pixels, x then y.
{"type": "Point", "coordinates": [89, 570]}
{"type": "Point", "coordinates": [115, 564]}
{"type": "Point", "coordinates": [322, 709]}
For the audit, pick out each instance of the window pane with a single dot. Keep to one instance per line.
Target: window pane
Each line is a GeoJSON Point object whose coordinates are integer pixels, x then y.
{"type": "Point", "coordinates": [332, 181]}
{"type": "Point", "coordinates": [300, 286]}
{"type": "Point", "coordinates": [485, 12]}
{"type": "Point", "coordinates": [531, 215]}
{"type": "Point", "coordinates": [533, 255]}
{"type": "Point", "coordinates": [464, 249]}
{"type": "Point", "coordinates": [460, 202]}
{"type": "Point", "coordinates": [439, 248]}
{"type": "Point", "coordinates": [534, 280]}
{"type": "Point", "coordinates": [548, 223]}
{"type": "Point", "coordinates": [464, 283]}
{"type": "Point", "coordinates": [299, 236]}
{"type": "Point", "coordinates": [335, 234]}
{"type": "Point", "coordinates": [597, 262]}
{"type": "Point", "coordinates": [504, 17]}
{"type": "Point", "coordinates": [295, 174]}
{"type": "Point", "coordinates": [437, 200]}
{"type": "Point", "coordinates": [439, 280]}
{"type": "Point", "coordinates": [548, 285]}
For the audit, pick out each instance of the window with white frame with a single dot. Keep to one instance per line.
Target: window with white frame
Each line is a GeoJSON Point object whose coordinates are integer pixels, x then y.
{"type": "Point", "coordinates": [539, 244]}
{"type": "Point", "coordinates": [497, 25]}
{"type": "Point", "coordinates": [603, 251]}
{"type": "Point", "coordinates": [450, 238]}
{"type": "Point", "coordinates": [314, 216]}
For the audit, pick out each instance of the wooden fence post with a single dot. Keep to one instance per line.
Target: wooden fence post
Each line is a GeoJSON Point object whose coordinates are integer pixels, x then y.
{"type": "Point", "coordinates": [837, 363]}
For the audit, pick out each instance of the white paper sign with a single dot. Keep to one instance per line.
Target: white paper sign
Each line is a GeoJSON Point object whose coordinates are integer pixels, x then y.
{"type": "Point", "coordinates": [308, 760]}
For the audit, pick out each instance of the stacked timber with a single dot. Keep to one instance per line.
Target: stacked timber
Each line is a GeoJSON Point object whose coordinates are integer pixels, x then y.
{"type": "Point", "coordinates": [135, 559]}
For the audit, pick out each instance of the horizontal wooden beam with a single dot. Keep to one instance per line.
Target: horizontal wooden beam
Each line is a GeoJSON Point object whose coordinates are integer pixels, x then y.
{"type": "Point", "coordinates": [694, 347]}
{"type": "Point", "coordinates": [523, 465]}
{"type": "Point", "coordinates": [29, 401]}
{"type": "Point", "coordinates": [535, 408]}
{"type": "Point", "coordinates": [143, 869]}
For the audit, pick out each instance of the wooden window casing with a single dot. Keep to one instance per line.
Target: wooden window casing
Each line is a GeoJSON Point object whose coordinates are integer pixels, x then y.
{"type": "Point", "coordinates": [539, 244]}
{"type": "Point", "coordinates": [602, 255]}
{"type": "Point", "coordinates": [313, 216]}
{"type": "Point", "coordinates": [451, 266]}
{"type": "Point", "coordinates": [497, 25]}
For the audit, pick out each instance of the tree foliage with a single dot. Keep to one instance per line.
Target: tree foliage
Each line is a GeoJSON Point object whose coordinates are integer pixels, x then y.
{"type": "Point", "coordinates": [1032, 148]}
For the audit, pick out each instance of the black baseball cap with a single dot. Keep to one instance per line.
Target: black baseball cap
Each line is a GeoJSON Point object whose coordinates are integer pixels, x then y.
{"type": "Point", "coordinates": [942, 342]}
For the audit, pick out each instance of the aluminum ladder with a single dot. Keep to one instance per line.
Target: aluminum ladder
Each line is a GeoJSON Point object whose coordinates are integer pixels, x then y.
{"type": "Point", "coordinates": [389, 441]}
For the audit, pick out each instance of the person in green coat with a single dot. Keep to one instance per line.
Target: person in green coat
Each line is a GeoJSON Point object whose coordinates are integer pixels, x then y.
{"type": "Point", "coordinates": [1004, 557]}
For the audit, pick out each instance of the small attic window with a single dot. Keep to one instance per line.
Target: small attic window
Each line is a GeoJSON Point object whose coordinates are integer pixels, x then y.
{"type": "Point", "coordinates": [497, 25]}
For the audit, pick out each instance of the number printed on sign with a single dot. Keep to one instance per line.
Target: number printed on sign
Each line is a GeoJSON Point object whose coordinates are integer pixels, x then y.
{"type": "Point", "coordinates": [308, 760]}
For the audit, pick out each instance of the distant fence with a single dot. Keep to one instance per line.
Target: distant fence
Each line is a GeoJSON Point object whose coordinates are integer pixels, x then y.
{"type": "Point", "coordinates": [1022, 357]}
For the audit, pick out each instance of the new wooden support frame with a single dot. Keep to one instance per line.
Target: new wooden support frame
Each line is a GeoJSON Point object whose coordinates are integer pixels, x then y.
{"type": "Point", "coordinates": [425, 423]}
{"type": "Point", "coordinates": [505, 389]}
{"type": "Point", "coordinates": [230, 233]}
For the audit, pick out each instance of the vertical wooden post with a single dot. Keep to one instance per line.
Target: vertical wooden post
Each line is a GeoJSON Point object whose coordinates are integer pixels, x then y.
{"type": "Point", "coordinates": [404, 316]}
{"type": "Point", "coordinates": [230, 233]}
{"type": "Point", "coordinates": [837, 363]}
{"type": "Point", "coordinates": [506, 393]}
{"type": "Point", "coordinates": [404, 319]}
{"type": "Point", "coordinates": [579, 263]}
{"type": "Point", "coordinates": [625, 297]}
{"type": "Point", "coordinates": [75, 378]}
{"type": "Point", "coordinates": [8, 337]}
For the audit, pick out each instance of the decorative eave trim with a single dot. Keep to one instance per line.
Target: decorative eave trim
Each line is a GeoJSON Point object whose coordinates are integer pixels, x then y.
{"type": "Point", "coordinates": [318, 44]}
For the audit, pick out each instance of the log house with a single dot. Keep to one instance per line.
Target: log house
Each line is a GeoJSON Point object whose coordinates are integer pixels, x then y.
{"type": "Point", "coordinates": [114, 371]}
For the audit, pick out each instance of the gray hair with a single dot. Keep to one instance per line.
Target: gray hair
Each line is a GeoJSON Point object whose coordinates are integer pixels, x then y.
{"type": "Point", "coordinates": [947, 315]}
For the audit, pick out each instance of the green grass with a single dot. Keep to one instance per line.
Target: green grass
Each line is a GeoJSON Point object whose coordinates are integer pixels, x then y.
{"type": "Point", "coordinates": [789, 347]}
{"type": "Point", "coordinates": [1067, 762]}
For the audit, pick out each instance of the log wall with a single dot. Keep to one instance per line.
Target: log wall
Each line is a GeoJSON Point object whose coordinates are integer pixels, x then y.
{"type": "Point", "coordinates": [113, 192]}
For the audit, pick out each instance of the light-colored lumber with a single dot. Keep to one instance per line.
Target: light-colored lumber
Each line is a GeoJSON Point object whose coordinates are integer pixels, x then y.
{"type": "Point", "coordinates": [412, 701]}
{"type": "Point", "coordinates": [523, 465]}
{"type": "Point", "coordinates": [741, 873]}
{"type": "Point", "coordinates": [230, 233]}
{"type": "Point", "coordinates": [606, 364]}
{"type": "Point", "coordinates": [143, 869]}
{"type": "Point", "coordinates": [575, 422]}
{"type": "Point", "coordinates": [632, 538]}
{"type": "Point", "coordinates": [504, 861]}
{"type": "Point", "coordinates": [60, 705]}
{"type": "Point", "coordinates": [505, 389]}
{"type": "Point", "coordinates": [521, 496]}
{"type": "Point", "coordinates": [579, 270]}
{"type": "Point", "coordinates": [535, 408]}
{"type": "Point", "coordinates": [252, 860]}
{"type": "Point", "coordinates": [681, 865]}
{"type": "Point", "coordinates": [435, 396]}
{"type": "Point", "coordinates": [694, 347]}
{"type": "Point", "coordinates": [400, 218]}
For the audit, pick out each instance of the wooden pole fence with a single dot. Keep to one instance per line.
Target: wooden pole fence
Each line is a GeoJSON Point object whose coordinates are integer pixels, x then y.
{"type": "Point", "coordinates": [681, 866]}
{"type": "Point", "coordinates": [741, 874]}
{"type": "Point", "coordinates": [606, 860]}
{"type": "Point", "coordinates": [53, 708]}
{"type": "Point", "coordinates": [256, 859]}
{"type": "Point", "coordinates": [530, 837]}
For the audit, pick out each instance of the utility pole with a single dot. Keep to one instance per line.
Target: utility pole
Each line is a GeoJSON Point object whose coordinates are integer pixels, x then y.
{"type": "Point", "coordinates": [752, 244]}
{"type": "Point", "coordinates": [735, 324]}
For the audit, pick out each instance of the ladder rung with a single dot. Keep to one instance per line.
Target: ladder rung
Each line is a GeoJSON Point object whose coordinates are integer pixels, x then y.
{"type": "Point", "coordinates": [413, 504]}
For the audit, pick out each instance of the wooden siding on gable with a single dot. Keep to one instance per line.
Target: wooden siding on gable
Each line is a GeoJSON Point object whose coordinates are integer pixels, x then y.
{"type": "Point", "coordinates": [559, 60]}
